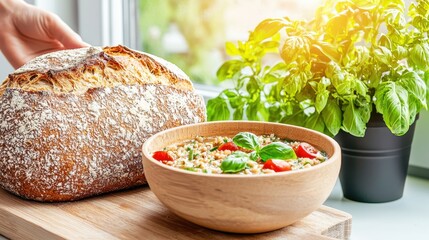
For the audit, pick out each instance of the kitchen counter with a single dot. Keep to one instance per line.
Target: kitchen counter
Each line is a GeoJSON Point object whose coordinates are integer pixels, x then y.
{"type": "Point", "coordinates": [406, 218]}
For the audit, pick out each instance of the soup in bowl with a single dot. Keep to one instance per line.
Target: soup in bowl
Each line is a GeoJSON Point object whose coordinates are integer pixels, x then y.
{"type": "Point", "coordinates": [241, 176]}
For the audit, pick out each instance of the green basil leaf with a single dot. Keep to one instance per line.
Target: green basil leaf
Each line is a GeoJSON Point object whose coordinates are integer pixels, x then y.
{"type": "Point", "coordinates": [274, 111]}
{"type": "Point", "coordinates": [217, 109]}
{"type": "Point", "coordinates": [275, 73]}
{"type": "Point", "coordinates": [416, 88]}
{"type": "Point", "coordinates": [253, 87]}
{"type": "Point", "coordinates": [256, 111]}
{"type": "Point", "coordinates": [355, 119]}
{"type": "Point", "coordinates": [253, 156]}
{"type": "Point", "coordinates": [234, 162]}
{"type": "Point", "coordinates": [326, 50]}
{"type": "Point", "coordinates": [295, 47]}
{"type": "Point", "coordinates": [421, 22]}
{"type": "Point", "coordinates": [231, 49]}
{"type": "Point", "coordinates": [277, 150]}
{"type": "Point", "coordinates": [270, 46]}
{"type": "Point", "coordinates": [268, 28]}
{"type": "Point", "coordinates": [337, 25]}
{"type": "Point", "coordinates": [400, 52]}
{"type": "Point", "coordinates": [321, 100]}
{"type": "Point", "coordinates": [332, 117]}
{"type": "Point", "coordinates": [419, 55]}
{"type": "Point", "coordinates": [307, 107]}
{"type": "Point", "coordinates": [297, 119]}
{"type": "Point", "coordinates": [385, 41]}
{"type": "Point", "coordinates": [228, 69]}
{"type": "Point", "coordinates": [214, 149]}
{"type": "Point", "coordinates": [359, 55]}
{"type": "Point", "coordinates": [414, 109]}
{"type": "Point", "coordinates": [315, 122]}
{"type": "Point", "coordinates": [292, 84]}
{"type": "Point", "coordinates": [343, 88]}
{"type": "Point", "coordinates": [383, 55]}
{"type": "Point", "coordinates": [289, 107]}
{"type": "Point", "coordinates": [366, 4]}
{"type": "Point", "coordinates": [306, 104]}
{"type": "Point", "coordinates": [270, 78]}
{"type": "Point", "coordinates": [395, 17]}
{"type": "Point", "coordinates": [234, 97]}
{"type": "Point", "coordinates": [238, 114]}
{"type": "Point", "coordinates": [360, 87]}
{"type": "Point", "coordinates": [246, 140]}
{"type": "Point", "coordinates": [332, 70]}
{"type": "Point", "coordinates": [341, 80]}
{"type": "Point", "coordinates": [392, 102]}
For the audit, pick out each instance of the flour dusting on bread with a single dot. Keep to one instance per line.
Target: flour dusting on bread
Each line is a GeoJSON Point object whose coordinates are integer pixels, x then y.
{"type": "Point", "coordinates": [66, 141]}
{"type": "Point", "coordinates": [59, 61]}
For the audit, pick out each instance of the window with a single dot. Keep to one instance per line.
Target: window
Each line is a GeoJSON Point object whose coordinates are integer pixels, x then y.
{"type": "Point", "coordinates": [192, 33]}
{"type": "Point", "coordinates": [102, 22]}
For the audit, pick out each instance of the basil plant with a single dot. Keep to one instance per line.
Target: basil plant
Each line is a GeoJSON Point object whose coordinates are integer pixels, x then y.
{"type": "Point", "coordinates": [355, 58]}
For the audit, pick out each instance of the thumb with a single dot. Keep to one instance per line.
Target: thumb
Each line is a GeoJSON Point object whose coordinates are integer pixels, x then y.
{"type": "Point", "coordinates": [60, 31]}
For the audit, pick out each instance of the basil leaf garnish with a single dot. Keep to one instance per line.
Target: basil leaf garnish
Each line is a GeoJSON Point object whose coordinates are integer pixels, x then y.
{"type": "Point", "coordinates": [277, 150]}
{"type": "Point", "coordinates": [246, 140]}
{"type": "Point", "coordinates": [253, 156]}
{"type": "Point", "coordinates": [235, 162]}
{"type": "Point", "coordinates": [214, 149]}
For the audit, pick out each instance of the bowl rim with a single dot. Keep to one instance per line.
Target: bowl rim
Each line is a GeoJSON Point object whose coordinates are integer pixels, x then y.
{"type": "Point", "coordinates": [336, 156]}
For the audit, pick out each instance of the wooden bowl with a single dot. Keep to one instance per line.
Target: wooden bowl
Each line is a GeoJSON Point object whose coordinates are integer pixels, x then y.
{"type": "Point", "coordinates": [242, 203]}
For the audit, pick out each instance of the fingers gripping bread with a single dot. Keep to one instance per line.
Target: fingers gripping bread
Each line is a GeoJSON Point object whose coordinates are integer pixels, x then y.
{"type": "Point", "coordinates": [72, 123]}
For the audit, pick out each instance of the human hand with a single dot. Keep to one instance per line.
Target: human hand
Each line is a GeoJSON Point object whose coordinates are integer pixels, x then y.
{"type": "Point", "coordinates": [28, 31]}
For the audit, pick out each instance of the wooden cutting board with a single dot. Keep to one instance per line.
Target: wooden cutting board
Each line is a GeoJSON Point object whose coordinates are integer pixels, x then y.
{"type": "Point", "coordinates": [137, 214]}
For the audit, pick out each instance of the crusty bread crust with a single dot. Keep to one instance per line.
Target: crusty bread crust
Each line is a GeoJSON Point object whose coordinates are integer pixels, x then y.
{"type": "Point", "coordinates": [76, 129]}
{"type": "Point", "coordinates": [76, 71]}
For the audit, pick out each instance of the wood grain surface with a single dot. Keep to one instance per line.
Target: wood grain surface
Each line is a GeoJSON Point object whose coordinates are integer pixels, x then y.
{"type": "Point", "coordinates": [138, 214]}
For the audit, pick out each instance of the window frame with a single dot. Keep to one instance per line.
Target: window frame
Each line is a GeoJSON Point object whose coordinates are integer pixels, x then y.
{"type": "Point", "coordinates": [109, 22]}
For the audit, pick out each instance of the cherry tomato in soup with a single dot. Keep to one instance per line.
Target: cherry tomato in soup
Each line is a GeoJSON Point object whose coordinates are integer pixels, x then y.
{"type": "Point", "coordinates": [305, 150]}
{"type": "Point", "coordinates": [228, 146]}
{"type": "Point", "coordinates": [277, 165]}
{"type": "Point", "coordinates": [162, 156]}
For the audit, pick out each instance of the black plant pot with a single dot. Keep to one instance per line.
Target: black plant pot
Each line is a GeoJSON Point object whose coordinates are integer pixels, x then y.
{"type": "Point", "coordinates": [374, 167]}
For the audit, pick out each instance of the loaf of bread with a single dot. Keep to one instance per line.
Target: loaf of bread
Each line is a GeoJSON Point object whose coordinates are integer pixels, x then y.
{"type": "Point", "coordinates": [72, 122]}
